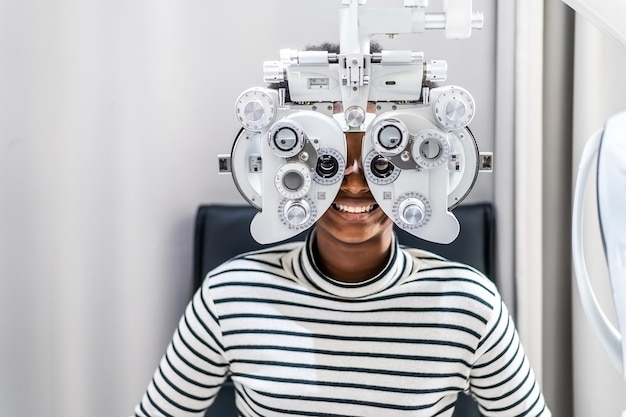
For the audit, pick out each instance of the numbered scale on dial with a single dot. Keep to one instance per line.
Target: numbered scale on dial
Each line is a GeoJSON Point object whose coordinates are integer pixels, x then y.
{"type": "Point", "coordinates": [453, 107]}
{"type": "Point", "coordinates": [255, 109]}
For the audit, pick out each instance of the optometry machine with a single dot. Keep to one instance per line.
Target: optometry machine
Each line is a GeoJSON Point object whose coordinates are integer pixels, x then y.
{"type": "Point", "coordinates": [419, 157]}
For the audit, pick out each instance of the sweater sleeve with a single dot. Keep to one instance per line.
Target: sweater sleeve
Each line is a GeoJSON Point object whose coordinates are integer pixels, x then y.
{"type": "Point", "coordinates": [501, 379]}
{"type": "Point", "coordinates": [193, 367]}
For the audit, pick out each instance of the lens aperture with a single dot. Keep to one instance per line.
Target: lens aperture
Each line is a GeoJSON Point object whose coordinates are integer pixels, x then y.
{"type": "Point", "coordinates": [327, 166]}
{"type": "Point", "coordinates": [285, 139]}
{"type": "Point", "coordinates": [293, 181]}
{"type": "Point", "coordinates": [390, 137]}
{"type": "Point", "coordinates": [381, 167]}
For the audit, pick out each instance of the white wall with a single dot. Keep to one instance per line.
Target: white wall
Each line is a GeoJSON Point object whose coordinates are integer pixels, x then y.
{"type": "Point", "coordinates": [111, 116]}
{"type": "Point", "coordinates": [600, 65]}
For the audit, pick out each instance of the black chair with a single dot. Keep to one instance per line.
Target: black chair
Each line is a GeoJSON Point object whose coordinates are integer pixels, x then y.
{"type": "Point", "coordinates": [222, 231]}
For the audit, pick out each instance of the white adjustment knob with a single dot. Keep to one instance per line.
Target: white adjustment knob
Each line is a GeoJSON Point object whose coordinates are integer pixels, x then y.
{"type": "Point", "coordinates": [355, 116]}
{"type": "Point", "coordinates": [297, 212]}
{"type": "Point", "coordinates": [255, 109]}
{"type": "Point", "coordinates": [273, 72]}
{"type": "Point", "coordinates": [436, 70]}
{"type": "Point", "coordinates": [412, 211]}
{"type": "Point", "coordinates": [453, 108]}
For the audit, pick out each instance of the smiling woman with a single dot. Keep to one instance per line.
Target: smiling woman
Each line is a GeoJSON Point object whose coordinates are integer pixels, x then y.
{"type": "Point", "coordinates": [111, 114]}
{"type": "Point", "coordinates": [347, 323]}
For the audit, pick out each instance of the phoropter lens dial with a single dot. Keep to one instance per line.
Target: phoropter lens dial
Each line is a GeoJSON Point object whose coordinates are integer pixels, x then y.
{"type": "Point", "coordinates": [286, 138]}
{"type": "Point", "coordinates": [327, 166]}
{"type": "Point", "coordinates": [412, 210]}
{"type": "Point", "coordinates": [431, 148]}
{"type": "Point", "coordinates": [293, 180]}
{"type": "Point", "coordinates": [381, 166]}
{"type": "Point", "coordinates": [379, 169]}
{"type": "Point", "coordinates": [255, 109]}
{"type": "Point", "coordinates": [454, 108]}
{"type": "Point", "coordinates": [389, 137]}
{"type": "Point", "coordinates": [330, 166]}
{"type": "Point", "coordinates": [297, 212]}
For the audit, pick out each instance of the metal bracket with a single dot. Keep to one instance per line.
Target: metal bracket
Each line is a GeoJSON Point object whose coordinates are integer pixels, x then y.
{"type": "Point", "coordinates": [485, 161]}
{"type": "Point", "coordinates": [224, 165]}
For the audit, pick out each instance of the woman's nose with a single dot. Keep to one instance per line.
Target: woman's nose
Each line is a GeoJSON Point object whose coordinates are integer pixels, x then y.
{"type": "Point", "coordinates": [354, 180]}
{"type": "Point", "coordinates": [354, 168]}
{"type": "Point", "coordinates": [354, 176]}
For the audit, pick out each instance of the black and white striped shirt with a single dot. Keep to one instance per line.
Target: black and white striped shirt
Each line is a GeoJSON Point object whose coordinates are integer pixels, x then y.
{"type": "Point", "coordinates": [297, 343]}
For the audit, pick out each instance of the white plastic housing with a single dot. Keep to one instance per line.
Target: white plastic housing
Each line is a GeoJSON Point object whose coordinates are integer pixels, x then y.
{"type": "Point", "coordinates": [608, 147]}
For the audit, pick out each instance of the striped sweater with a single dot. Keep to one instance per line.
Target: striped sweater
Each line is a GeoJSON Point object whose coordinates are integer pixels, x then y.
{"type": "Point", "coordinates": [297, 343]}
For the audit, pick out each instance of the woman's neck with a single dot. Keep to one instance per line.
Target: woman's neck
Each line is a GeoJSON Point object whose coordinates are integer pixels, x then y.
{"type": "Point", "coordinates": [351, 262]}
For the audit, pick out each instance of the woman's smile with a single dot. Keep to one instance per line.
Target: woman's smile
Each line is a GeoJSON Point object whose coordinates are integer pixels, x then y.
{"type": "Point", "coordinates": [358, 210]}
{"type": "Point", "coordinates": [352, 209]}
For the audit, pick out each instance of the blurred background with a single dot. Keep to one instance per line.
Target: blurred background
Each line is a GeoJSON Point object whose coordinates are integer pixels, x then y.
{"type": "Point", "coordinates": [112, 114]}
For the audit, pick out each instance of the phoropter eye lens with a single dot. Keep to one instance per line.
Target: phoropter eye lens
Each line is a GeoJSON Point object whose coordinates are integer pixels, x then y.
{"type": "Point", "coordinates": [293, 181]}
{"type": "Point", "coordinates": [390, 137]}
{"type": "Point", "coordinates": [430, 149]}
{"type": "Point", "coordinates": [285, 139]}
{"type": "Point", "coordinates": [381, 167]}
{"type": "Point", "coordinates": [327, 166]}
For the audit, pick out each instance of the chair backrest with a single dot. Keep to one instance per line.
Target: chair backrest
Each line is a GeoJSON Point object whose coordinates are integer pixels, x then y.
{"type": "Point", "coordinates": [222, 232]}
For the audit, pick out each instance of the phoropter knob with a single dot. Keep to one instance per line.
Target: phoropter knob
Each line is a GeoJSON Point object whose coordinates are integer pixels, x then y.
{"type": "Point", "coordinates": [297, 212]}
{"type": "Point", "coordinates": [436, 70]}
{"type": "Point", "coordinates": [453, 108]}
{"type": "Point", "coordinates": [412, 211]}
{"type": "Point", "coordinates": [255, 109]}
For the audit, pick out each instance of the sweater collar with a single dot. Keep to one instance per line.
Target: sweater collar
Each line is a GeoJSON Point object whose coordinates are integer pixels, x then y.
{"type": "Point", "coordinates": [391, 273]}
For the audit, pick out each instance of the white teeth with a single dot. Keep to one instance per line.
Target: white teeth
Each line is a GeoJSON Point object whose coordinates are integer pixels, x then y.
{"type": "Point", "coordinates": [352, 209]}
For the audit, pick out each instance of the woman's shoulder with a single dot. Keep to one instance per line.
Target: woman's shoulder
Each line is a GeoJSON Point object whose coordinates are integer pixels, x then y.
{"type": "Point", "coordinates": [270, 259]}
{"type": "Point", "coordinates": [444, 272]}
